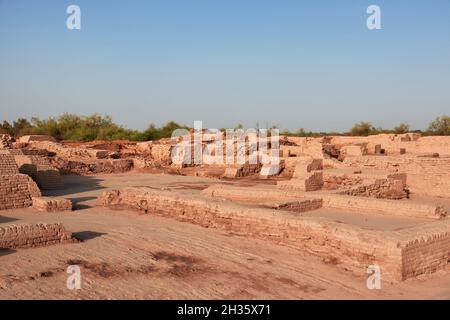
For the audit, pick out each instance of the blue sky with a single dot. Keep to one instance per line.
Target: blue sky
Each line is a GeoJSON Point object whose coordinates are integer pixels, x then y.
{"type": "Point", "coordinates": [309, 64]}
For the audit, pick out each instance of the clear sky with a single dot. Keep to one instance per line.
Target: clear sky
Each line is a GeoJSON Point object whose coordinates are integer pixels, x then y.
{"type": "Point", "coordinates": [310, 64]}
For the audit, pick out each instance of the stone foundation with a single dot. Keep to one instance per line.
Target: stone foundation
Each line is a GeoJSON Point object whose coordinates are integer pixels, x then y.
{"type": "Point", "coordinates": [400, 254]}
{"type": "Point", "coordinates": [87, 167]}
{"type": "Point", "coordinates": [16, 191]}
{"type": "Point", "coordinates": [47, 204]}
{"type": "Point", "coordinates": [33, 235]}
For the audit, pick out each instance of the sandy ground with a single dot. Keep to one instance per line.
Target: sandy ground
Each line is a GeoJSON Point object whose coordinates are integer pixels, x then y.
{"type": "Point", "coordinates": [126, 255]}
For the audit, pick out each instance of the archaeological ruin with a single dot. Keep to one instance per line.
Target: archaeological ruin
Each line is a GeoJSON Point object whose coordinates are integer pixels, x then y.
{"type": "Point", "coordinates": [352, 202]}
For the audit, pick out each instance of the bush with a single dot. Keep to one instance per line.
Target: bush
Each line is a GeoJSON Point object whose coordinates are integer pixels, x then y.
{"type": "Point", "coordinates": [402, 128]}
{"type": "Point", "coordinates": [440, 126]}
{"type": "Point", "coordinates": [362, 129]}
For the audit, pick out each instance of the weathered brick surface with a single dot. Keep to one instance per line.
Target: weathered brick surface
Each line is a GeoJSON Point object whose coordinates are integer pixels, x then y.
{"type": "Point", "coordinates": [39, 169]}
{"type": "Point", "coordinates": [350, 247]}
{"type": "Point", "coordinates": [6, 141]}
{"type": "Point", "coordinates": [86, 167]}
{"type": "Point", "coordinates": [33, 235]}
{"type": "Point", "coordinates": [426, 176]}
{"type": "Point", "coordinates": [48, 204]}
{"type": "Point", "coordinates": [306, 176]}
{"type": "Point", "coordinates": [404, 208]}
{"type": "Point", "coordinates": [31, 138]}
{"type": "Point", "coordinates": [7, 164]}
{"type": "Point", "coordinates": [16, 191]}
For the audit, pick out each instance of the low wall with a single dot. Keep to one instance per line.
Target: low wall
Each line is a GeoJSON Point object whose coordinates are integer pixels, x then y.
{"type": "Point", "coordinates": [425, 176]}
{"type": "Point", "coordinates": [363, 205]}
{"type": "Point", "coordinates": [33, 235]}
{"type": "Point", "coordinates": [7, 164]}
{"type": "Point", "coordinates": [86, 167]}
{"type": "Point", "coordinates": [347, 246]}
{"type": "Point", "coordinates": [16, 191]}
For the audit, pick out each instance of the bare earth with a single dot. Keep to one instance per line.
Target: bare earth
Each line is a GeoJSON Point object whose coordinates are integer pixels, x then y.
{"type": "Point", "coordinates": [127, 255]}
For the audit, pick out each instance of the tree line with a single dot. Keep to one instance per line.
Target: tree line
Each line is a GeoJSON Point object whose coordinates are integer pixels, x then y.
{"type": "Point", "coordinates": [99, 127]}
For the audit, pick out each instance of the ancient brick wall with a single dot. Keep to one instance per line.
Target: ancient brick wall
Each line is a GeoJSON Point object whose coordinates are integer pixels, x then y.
{"type": "Point", "coordinates": [33, 235]}
{"type": "Point", "coordinates": [404, 208]}
{"type": "Point", "coordinates": [86, 167]}
{"type": "Point", "coordinates": [16, 191]}
{"type": "Point", "coordinates": [393, 143]}
{"type": "Point", "coordinates": [7, 164]}
{"type": "Point", "coordinates": [426, 176]}
{"type": "Point", "coordinates": [347, 246]}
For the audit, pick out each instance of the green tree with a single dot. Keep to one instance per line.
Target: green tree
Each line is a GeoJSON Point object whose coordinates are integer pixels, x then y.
{"type": "Point", "coordinates": [402, 128]}
{"type": "Point", "coordinates": [362, 129]}
{"type": "Point", "coordinates": [440, 126]}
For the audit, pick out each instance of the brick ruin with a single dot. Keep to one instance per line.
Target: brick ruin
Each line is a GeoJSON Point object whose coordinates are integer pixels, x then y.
{"type": "Point", "coordinates": [382, 176]}
{"type": "Point", "coordinates": [33, 235]}
{"type": "Point", "coordinates": [401, 254]}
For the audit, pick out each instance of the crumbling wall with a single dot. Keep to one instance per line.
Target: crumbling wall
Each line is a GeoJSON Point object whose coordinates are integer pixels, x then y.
{"type": "Point", "coordinates": [350, 247]}
{"type": "Point", "coordinates": [33, 235]}
{"type": "Point", "coordinates": [426, 176]}
{"type": "Point", "coordinates": [308, 176]}
{"type": "Point", "coordinates": [36, 137]}
{"type": "Point", "coordinates": [6, 141]}
{"type": "Point", "coordinates": [86, 167]}
{"type": "Point", "coordinates": [7, 164]}
{"type": "Point", "coordinates": [16, 191]}
{"type": "Point", "coordinates": [405, 208]}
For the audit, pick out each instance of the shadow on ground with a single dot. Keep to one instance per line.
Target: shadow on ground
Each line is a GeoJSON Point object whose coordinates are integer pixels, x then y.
{"type": "Point", "coordinates": [78, 205]}
{"type": "Point", "coordinates": [87, 235]}
{"type": "Point", "coordinates": [7, 219]}
{"type": "Point", "coordinates": [76, 184]}
{"type": "Point", "coordinates": [4, 252]}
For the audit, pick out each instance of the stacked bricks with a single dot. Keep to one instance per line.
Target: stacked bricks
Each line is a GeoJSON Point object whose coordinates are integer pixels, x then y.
{"type": "Point", "coordinates": [33, 235]}
{"type": "Point", "coordinates": [307, 176]}
{"type": "Point", "coordinates": [295, 205]}
{"type": "Point", "coordinates": [86, 167]}
{"type": "Point", "coordinates": [403, 208]}
{"type": "Point", "coordinates": [6, 141]}
{"type": "Point", "coordinates": [31, 138]}
{"type": "Point", "coordinates": [243, 170]}
{"type": "Point", "coordinates": [400, 254]}
{"type": "Point", "coordinates": [7, 164]}
{"type": "Point", "coordinates": [425, 176]}
{"type": "Point", "coordinates": [47, 204]}
{"type": "Point", "coordinates": [16, 191]}
{"type": "Point", "coordinates": [39, 169]}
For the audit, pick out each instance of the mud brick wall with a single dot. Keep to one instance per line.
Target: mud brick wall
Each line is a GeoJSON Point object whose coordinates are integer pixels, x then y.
{"type": "Point", "coordinates": [425, 248]}
{"type": "Point", "coordinates": [405, 208]}
{"type": "Point", "coordinates": [303, 146]}
{"type": "Point", "coordinates": [347, 246]}
{"type": "Point", "coordinates": [296, 205]}
{"type": "Point", "coordinates": [33, 235]}
{"type": "Point", "coordinates": [7, 164]}
{"type": "Point", "coordinates": [385, 206]}
{"type": "Point", "coordinates": [39, 169]}
{"type": "Point", "coordinates": [51, 204]}
{"type": "Point", "coordinates": [86, 167]}
{"type": "Point", "coordinates": [16, 191]}
{"type": "Point", "coordinates": [425, 176]}
{"type": "Point", "coordinates": [48, 178]}
{"type": "Point", "coordinates": [161, 153]}
{"type": "Point", "coordinates": [393, 143]}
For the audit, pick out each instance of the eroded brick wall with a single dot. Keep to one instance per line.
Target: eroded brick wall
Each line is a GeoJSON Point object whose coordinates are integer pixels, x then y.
{"type": "Point", "coordinates": [426, 176]}
{"type": "Point", "coordinates": [7, 164]}
{"type": "Point", "coordinates": [16, 191]}
{"type": "Point", "coordinates": [33, 235]}
{"type": "Point", "coordinates": [348, 246]}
